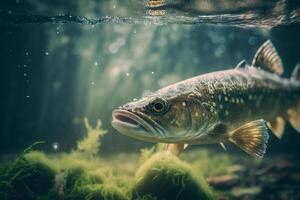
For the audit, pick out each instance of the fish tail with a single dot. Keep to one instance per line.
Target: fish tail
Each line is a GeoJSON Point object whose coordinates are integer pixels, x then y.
{"type": "Point", "coordinates": [294, 111]}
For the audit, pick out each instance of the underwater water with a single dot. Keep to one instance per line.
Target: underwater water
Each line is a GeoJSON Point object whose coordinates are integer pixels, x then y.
{"type": "Point", "coordinates": [66, 65]}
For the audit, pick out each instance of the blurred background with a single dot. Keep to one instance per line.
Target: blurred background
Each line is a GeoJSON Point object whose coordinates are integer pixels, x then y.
{"type": "Point", "coordinates": [52, 75]}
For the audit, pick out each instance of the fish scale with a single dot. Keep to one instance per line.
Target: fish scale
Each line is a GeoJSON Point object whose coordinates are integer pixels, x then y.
{"type": "Point", "coordinates": [237, 105]}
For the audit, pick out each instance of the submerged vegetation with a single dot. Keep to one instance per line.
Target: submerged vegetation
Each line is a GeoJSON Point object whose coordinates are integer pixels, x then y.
{"type": "Point", "coordinates": [164, 176]}
{"type": "Point", "coordinates": [82, 174]}
{"type": "Point", "coordinates": [151, 175]}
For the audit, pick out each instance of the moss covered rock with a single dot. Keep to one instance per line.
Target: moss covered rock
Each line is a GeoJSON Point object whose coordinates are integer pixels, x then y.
{"type": "Point", "coordinates": [28, 179]}
{"type": "Point", "coordinates": [78, 177]}
{"type": "Point", "coordinates": [73, 175]}
{"type": "Point", "coordinates": [97, 192]}
{"type": "Point", "coordinates": [165, 177]}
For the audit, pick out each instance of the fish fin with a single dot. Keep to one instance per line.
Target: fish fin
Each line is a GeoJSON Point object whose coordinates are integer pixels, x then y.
{"type": "Point", "coordinates": [176, 149]}
{"type": "Point", "coordinates": [294, 112]}
{"type": "Point", "coordinates": [277, 126]}
{"type": "Point", "coordinates": [252, 138]}
{"type": "Point", "coordinates": [241, 64]}
{"type": "Point", "coordinates": [296, 73]}
{"type": "Point", "coordinates": [223, 146]}
{"type": "Point", "coordinates": [268, 59]}
{"type": "Point", "coordinates": [294, 116]}
{"type": "Point", "coordinates": [185, 146]}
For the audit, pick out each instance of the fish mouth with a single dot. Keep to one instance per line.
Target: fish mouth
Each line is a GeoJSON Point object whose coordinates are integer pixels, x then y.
{"type": "Point", "coordinates": [140, 127]}
{"type": "Point", "coordinates": [132, 125]}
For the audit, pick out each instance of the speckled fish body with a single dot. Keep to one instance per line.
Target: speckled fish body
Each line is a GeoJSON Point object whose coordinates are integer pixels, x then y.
{"type": "Point", "coordinates": [233, 105]}
{"type": "Point", "coordinates": [229, 99]}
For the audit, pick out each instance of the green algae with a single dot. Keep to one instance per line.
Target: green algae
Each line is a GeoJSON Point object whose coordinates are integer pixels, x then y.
{"type": "Point", "coordinates": [78, 177]}
{"type": "Point", "coordinates": [164, 176]}
{"type": "Point", "coordinates": [91, 144]}
{"type": "Point", "coordinates": [97, 192]}
{"type": "Point", "coordinates": [28, 179]}
{"type": "Point", "coordinates": [83, 174]}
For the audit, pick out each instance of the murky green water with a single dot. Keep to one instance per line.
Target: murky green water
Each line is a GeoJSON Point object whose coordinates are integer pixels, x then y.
{"type": "Point", "coordinates": [62, 62]}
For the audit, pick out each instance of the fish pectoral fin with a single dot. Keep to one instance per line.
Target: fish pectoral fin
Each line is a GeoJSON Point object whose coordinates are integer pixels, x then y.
{"type": "Point", "coordinates": [268, 59]}
{"type": "Point", "coordinates": [252, 138]}
{"type": "Point", "coordinates": [176, 149]}
{"type": "Point", "coordinates": [277, 126]}
{"type": "Point", "coordinates": [185, 146]}
{"type": "Point", "coordinates": [223, 146]}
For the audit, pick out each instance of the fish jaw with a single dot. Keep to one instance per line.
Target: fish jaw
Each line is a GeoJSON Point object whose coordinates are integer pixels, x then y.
{"type": "Point", "coordinates": [132, 125]}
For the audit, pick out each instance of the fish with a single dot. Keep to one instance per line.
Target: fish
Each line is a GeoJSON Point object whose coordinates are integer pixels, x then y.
{"type": "Point", "coordinates": [239, 105]}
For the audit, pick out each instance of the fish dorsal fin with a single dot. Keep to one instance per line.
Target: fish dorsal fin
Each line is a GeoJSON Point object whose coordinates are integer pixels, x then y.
{"type": "Point", "coordinates": [241, 64]}
{"type": "Point", "coordinates": [252, 138]}
{"type": "Point", "coordinates": [277, 126]}
{"type": "Point", "coordinates": [268, 59]}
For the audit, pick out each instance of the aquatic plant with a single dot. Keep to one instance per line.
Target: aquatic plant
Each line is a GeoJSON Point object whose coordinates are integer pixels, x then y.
{"type": "Point", "coordinates": [90, 145]}
{"type": "Point", "coordinates": [78, 177]}
{"type": "Point", "coordinates": [28, 177]}
{"type": "Point", "coordinates": [165, 176]}
{"type": "Point", "coordinates": [97, 192]}
{"type": "Point", "coordinates": [82, 174]}
{"type": "Point", "coordinates": [146, 153]}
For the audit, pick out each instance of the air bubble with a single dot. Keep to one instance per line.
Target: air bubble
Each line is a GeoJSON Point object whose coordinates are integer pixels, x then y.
{"type": "Point", "coordinates": [55, 146]}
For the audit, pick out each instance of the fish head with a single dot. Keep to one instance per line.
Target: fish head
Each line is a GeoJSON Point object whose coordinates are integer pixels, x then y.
{"type": "Point", "coordinates": [154, 119]}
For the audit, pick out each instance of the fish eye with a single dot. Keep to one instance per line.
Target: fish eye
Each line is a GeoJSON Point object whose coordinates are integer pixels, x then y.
{"type": "Point", "coordinates": [158, 106]}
